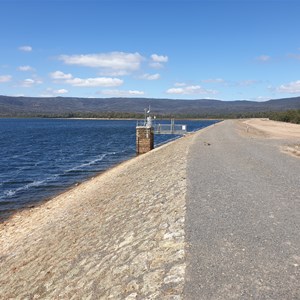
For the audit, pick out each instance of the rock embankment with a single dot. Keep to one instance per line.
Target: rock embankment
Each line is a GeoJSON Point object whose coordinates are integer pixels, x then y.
{"type": "Point", "coordinates": [117, 236]}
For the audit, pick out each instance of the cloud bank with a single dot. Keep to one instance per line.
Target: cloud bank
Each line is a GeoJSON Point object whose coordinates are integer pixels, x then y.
{"type": "Point", "coordinates": [190, 90]}
{"type": "Point", "coordinates": [113, 61]}
{"type": "Point", "coordinates": [25, 68]}
{"type": "Point", "coordinates": [290, 88]}
{"type": "Point", "coordinates": [150, 76]}
{"type": "Point", "coordinates": [122, 93]}
{"type": "Point", "coordinates": [158, 60]}
{"type": "Point", "coordinates": [29, 82]}
{"type": "Point", "coordinates": [60, 76]}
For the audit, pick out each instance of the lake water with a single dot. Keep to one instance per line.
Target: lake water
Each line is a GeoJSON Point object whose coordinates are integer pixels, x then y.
{"type": "Point", "coordinates": [41, 157]}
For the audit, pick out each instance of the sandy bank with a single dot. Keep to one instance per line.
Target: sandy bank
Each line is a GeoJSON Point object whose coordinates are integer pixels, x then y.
{"type": "Point", "coordinates": [274, 129]}
{"type": "Point", "coordinates": [266, 128]}
{"type": "Point", "coordinates": [119, 235]}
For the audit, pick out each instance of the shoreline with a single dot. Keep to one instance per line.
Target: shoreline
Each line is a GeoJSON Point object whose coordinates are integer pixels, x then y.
{"type": "Point", "coordinates": [118, 119]}
{"type": "Point", "coordinates": [44, 200]}
{"type": "Point", "coordinates": [130, 217]}
{"type": "Point", "coordinates": [6, 214]}
{"type": "Point", "coordinates": [252, 125]}
{"type": "Point", "coordinates": [39, 203]}
{"type": "Point", "coordinates": [119, 235]}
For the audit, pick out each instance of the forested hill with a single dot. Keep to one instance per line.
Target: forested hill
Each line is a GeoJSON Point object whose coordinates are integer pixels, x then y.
{"type": "Point", "coordinates": [30, 106]}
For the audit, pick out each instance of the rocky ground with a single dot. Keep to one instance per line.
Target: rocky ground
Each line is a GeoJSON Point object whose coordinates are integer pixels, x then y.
{"type": "Point", "coordinates": [117, 236]}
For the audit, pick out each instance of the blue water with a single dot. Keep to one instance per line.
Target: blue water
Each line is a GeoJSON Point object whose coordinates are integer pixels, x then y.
{"type": "Point", "coordinates": [42, 157]}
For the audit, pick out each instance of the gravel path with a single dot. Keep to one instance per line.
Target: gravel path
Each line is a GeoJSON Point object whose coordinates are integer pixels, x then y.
{"type": "Point", "coordinates": [243, 216]}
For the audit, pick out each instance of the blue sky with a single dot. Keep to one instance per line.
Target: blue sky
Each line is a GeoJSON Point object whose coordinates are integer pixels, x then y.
{"type": "Point", "coordinates": [184, 49]}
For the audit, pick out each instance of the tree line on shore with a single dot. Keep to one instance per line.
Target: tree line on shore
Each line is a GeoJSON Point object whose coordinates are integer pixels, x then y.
{"type": "Point", "coordinates": [291, 116]}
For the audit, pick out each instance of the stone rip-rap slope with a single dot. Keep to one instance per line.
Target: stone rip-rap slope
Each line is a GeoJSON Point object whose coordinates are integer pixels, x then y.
{"type": "Point", "coordinates": [117, 236]}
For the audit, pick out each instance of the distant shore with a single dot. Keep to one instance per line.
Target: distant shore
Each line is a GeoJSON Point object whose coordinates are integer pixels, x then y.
{"type": "Point", "coordinates": [110, 119]}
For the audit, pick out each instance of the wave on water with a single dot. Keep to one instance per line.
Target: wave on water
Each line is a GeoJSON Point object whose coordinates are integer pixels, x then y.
{"type": "Point", "coordinates": [11, 193]}
{"type": "Point", "coordinates": [7, 194]}
{"type": "Point", "coordinates": [90, 163]}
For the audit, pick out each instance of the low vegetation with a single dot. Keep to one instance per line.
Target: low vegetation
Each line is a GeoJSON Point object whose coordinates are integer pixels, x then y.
{"type": "Point", "coordinates": [292, 116]}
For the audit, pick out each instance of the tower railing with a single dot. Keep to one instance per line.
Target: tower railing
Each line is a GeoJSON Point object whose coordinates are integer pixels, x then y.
{"type": "Point", "coordinates": [170, 128]}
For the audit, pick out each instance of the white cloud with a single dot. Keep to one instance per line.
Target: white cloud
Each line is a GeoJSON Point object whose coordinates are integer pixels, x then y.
{"type": "Point", "coordinates": [25, 48]}
{"type": "Point", "coordinates": [156, 65]}
{"type": "Point", "coordinates": [261, 98]}
{"type": "Point", "coordinates": [263, 58]}
{"type": "Point", "coordinates": [175, 91]}
{"type": "Point", "coordinates": [150, 76]}
{"type": "Point", "coordinates": [107, 61]}
{"type": "Point", "coordinates": [190, 90]}
{"type": "Point", "coordinates": [45, 95]}
{"type": "Point", "coordinates": [60, 91]}
{"type": "Point", "coordinates": [53, 93]}
{"type": "Point", "coordinates": [92, 82]}
{"type": "Point", "coordinates": [25, 68]}
{"type": "Point", "coordinates": [57, 75]}
{"type": "Point", "coordinates": [159, 58]}
{"type": "Point", "coordinates": [5, 78]}
{"type": "Point", "coordinates": [215, 80]}
{"type": "Point", "coordinates": [157, 61]}
{"type": "Point", "coordinates": [122, 93]}
{"type": "Point", "coordinates": [114, 73]}
{"type": "Point", "coordinates": [29, 82]}
{"type": "Point", "coordinates": [85, 82]}
{"type": "Point", "coordinates": [290, 88]}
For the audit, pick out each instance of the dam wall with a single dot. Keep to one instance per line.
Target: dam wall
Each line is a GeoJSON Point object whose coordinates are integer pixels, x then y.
{"type": "Point", "coordinates": [119, 235]}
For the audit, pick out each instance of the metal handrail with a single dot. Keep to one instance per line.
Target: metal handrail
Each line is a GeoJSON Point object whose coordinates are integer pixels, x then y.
{"type": "Point", "coordinates": [170, 128]}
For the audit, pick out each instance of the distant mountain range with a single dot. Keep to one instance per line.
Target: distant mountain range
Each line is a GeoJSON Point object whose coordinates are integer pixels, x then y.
{"type": "Point", "coordinates": [30, 106]}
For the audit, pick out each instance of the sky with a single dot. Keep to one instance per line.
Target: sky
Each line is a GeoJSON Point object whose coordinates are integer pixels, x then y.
{"type": "Point", "coordinates": [177, 49]}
